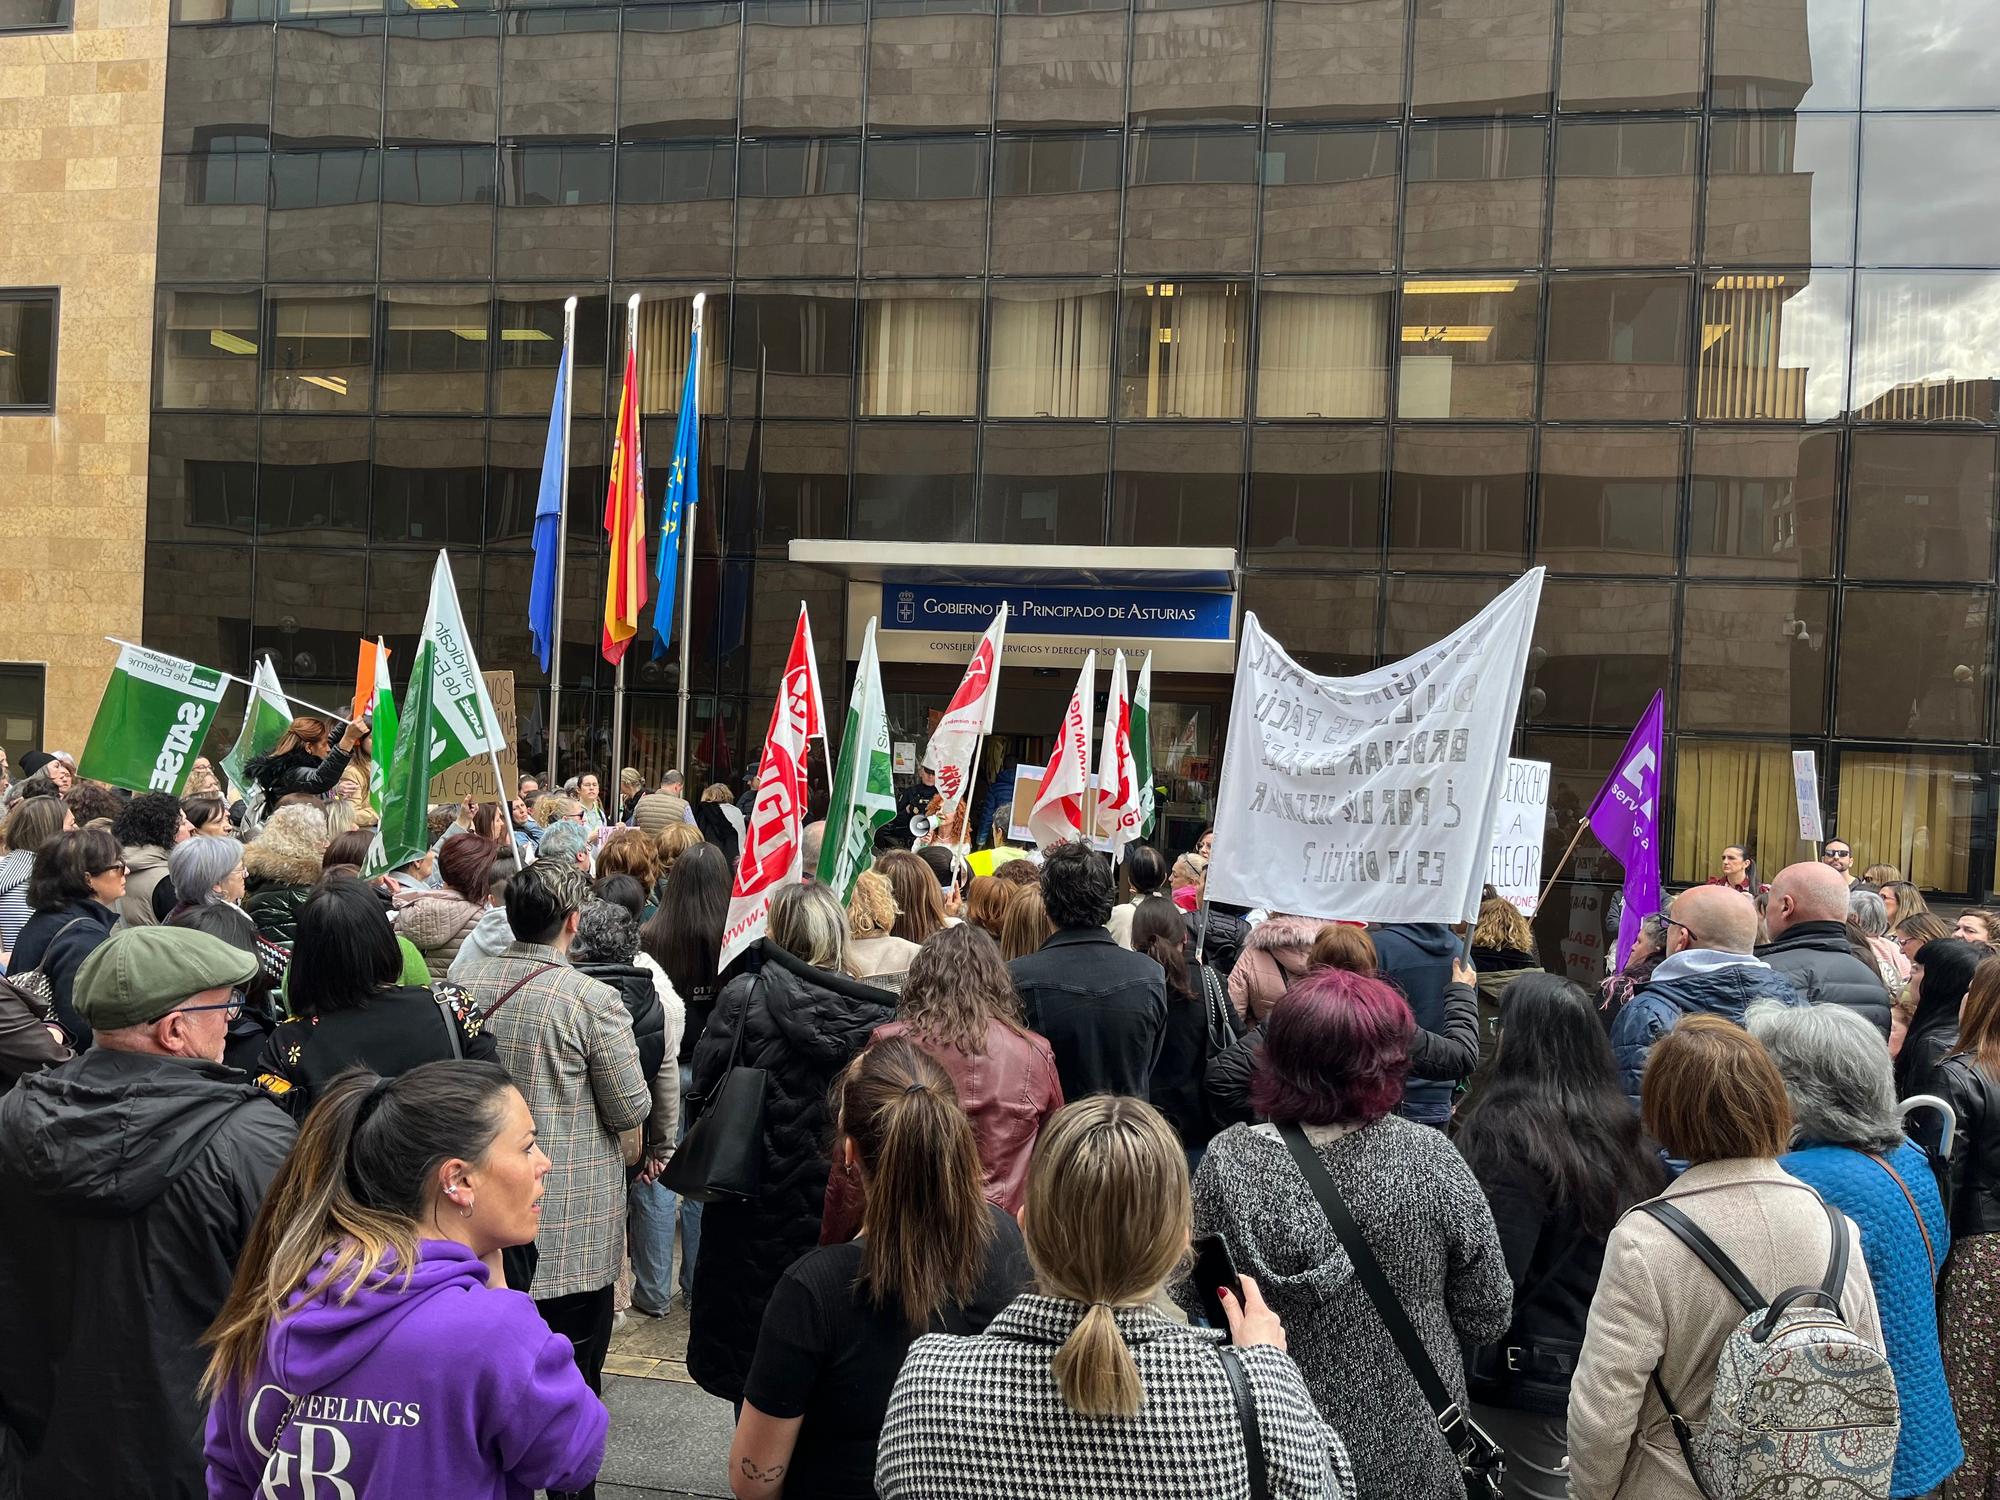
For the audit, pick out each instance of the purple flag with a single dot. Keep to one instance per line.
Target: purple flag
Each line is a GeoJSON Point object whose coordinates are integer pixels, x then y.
{"type": "Point", "coordinates": [1626, 819]}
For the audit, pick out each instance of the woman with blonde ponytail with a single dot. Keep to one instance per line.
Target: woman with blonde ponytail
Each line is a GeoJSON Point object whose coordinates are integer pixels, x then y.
{"type": "Point", "coordinates": [932, 1256]}
{"type": "Point", "coordinates": [1084, 1387]}
{"type": "Point", "coordinates": [369, 1345]}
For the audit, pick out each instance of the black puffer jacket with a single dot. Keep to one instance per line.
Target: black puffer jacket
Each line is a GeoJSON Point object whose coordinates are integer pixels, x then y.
{"type": "Point", "coordinates": [275, 909]}
{"type": "Point", "coordinates": [1815, 956]}
{"type": "Point", "coordinates": [297, 770]}
{"type": "Point", "coordinates": [1973, 1181]}
{"type": "Point", "coordinates": [57, 941]}
{"type": "Point", "coordinates": [127, 1185]}
{"type": "Point", "coordinates": [802, 1025]}
{"type": "Point", "coordinates": [642, 1002]}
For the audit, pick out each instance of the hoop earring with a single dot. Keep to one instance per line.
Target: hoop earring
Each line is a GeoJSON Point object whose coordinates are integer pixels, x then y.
{"type": "Point", "coordinates": [465, 1212]}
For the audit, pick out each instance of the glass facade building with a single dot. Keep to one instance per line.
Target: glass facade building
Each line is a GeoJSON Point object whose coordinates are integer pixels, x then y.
{"type": "Point", "coordinates": [1697, 302]}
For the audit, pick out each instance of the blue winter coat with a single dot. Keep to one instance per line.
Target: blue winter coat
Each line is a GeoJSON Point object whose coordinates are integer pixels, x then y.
{"type": "Point", "coordinates": [1679, 988]}
{"type": "Point", "coordinates": [1904, 1271]}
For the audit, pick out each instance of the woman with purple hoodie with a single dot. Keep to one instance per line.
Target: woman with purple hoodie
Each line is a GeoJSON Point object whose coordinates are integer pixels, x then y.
{"type": "Point", "coordinates": [369, 1345]}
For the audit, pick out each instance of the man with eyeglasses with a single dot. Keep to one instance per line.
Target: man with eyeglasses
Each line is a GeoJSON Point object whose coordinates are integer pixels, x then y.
{"type": "Point", "coordinates": [129, 1177]}
{"type": "Point", "coordinates": [1710, 970]}
{"type": "Point", "coordinates": [1838, 856]}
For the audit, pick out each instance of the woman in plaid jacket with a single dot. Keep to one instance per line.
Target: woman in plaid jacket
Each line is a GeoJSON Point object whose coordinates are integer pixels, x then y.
{"type": "Point", "coordinates": [1084, 1387]}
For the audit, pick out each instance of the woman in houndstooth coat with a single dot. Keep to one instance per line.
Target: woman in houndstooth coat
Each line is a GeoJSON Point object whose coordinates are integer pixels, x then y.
{"type": "Point", "coordinates": [1084, 1388]}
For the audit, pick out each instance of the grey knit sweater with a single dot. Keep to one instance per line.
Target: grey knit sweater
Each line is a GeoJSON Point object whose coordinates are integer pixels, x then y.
{"type": "Point", "coordinates": [1429, 1226]}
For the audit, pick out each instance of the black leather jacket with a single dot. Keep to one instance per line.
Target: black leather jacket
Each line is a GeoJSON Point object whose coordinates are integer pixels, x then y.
{"type": "Point", "coordinates": [1973, 1182]}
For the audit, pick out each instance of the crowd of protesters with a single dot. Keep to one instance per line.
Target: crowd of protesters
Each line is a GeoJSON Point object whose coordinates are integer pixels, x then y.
{"type": "Point", "coordinates": [324, 1180]}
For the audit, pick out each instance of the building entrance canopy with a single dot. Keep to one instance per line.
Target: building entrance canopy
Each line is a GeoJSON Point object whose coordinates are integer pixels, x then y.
{"type": "Point", "coordinates": [935, 599]}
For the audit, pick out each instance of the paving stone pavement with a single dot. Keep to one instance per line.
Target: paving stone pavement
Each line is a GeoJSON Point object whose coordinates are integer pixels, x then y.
{"type": "Point", "coordinates": [669, 1438]}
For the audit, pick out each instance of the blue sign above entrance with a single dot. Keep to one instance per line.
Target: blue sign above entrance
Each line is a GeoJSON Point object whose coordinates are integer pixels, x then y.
{"type": "Point", "coordinates": [1147, 614]}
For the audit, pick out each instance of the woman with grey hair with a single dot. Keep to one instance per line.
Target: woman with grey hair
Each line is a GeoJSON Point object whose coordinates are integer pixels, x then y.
{"type": "Point", "coordinates": [789, 1008]}
{"type": "Point", "coordinates": [205, 871]}
{"type": "Point", "coordinates": [1867, 911]}
{"type": "Point", "coordinates": [1849, 1145]}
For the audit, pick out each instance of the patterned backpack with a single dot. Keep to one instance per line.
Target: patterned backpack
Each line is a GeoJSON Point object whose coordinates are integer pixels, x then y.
{"type": "Point", "coordinates": [1801, 1400]}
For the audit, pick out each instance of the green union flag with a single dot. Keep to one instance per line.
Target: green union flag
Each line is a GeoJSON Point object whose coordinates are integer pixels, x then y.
{"type": "Point", "coordinates": [1142, 745]}
{"type": "Point", "coordinates": [150, 721]}
{"type": "Point", "coordinates": [445, 717]}
{"type": "Point", "coordinates": [864, 786]}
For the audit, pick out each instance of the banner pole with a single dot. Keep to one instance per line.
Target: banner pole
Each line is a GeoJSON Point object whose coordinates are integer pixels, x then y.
{"type": "Point", "coordinates": [687, 557]}
{"type": "Point", "coordinates": [562, 545]}
{"type": "Point", "coordinates": [506, 801]}
{"type": "Point", "coordinates": [336, 716]}
{"type": "Point", "coordinates": [1554, 874]}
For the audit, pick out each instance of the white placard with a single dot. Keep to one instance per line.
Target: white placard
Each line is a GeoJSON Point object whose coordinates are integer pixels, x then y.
{"type": "Point", "coordinates": [903, 758]}
{"type": "Point", "coordinates": [1805, 783]}
{"type": "Point", "coordinates": [1371, 798]}
{"type": "Point", "coordinates": [1515, 867]}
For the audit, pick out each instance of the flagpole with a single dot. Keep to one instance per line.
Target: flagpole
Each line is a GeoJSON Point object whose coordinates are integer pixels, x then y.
{"type": "Point", "coordinates": [562, 548]}
{"type": "Point", "coordinates": [337, 716]}
{"type": "Point", "coordinates": [693, 388]}
{"type": "Point", "coordinates": [618, 673]}
{"type": "Point", "coordinates": [506, 801]}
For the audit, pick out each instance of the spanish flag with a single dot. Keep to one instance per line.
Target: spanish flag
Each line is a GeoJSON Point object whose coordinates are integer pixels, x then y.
{"type": "Point", "coordinates": [625, 523]}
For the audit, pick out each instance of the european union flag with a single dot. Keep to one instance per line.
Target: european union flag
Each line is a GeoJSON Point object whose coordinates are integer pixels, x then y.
{"type": "Point", "coordinates": [683, 493]}
{"type": "Point", "coordinates": [542, 600]}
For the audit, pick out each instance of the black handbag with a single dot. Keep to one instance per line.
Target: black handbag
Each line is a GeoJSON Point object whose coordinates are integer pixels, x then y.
{"type": "Point", "coordinates": [1480, 1459]}
{"type": "Point", "coordinates": [1246, 1416]}
{"type": "Point", "coordinates": [721, 1159]}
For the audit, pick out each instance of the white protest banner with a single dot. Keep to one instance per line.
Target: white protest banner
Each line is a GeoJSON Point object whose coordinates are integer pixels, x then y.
{"type": "Point", "coordinates": [1371, 798]}
{"type": "Point", "coordinates": [1805, 782]}
{"type": "Point", "coordinates": [1514, 868]}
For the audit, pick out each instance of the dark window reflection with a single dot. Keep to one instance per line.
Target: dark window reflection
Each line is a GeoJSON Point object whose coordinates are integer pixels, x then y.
{"type": "Point", "coordinates": [514, 479]}
{"type": "Point", "coordinates": [803, 62]}
{"type": "Point", "coordinates": [797, 211]}
{"type": "Point", "coordinates": [1762, 503]}
{"type": "Point", "coordinates": [1920, 506]}
{"type": "Point", "coordinates": [1315, 497]}
{"type": "Point", "coordinates": [329, 82]}
{"type": "Point", "coordinates": [675, 211]}
{"type": "Point", "coordinates": [1202, 73]}
{"type": "Point", "coordinates": [1044, 485]}
{"type": "Point", "coordinates": [530, 322]}
{"type": "Point", "coordinates": [1479, 57]}
{"type": "Point", "coordinates": [1809, 59]}
{"type": "Point", "coordinates": [792, 351]}
{"type": "Point", "coordinates": [201, 479]}
{"type": "Point", "coordinates": [1604, 649]}
{"type": "Point", "coordinates": [1755, 658]}
{"type": "Point", "coordinates": [429, 483]}
{"type": "Point", "coordinates": [555, 213]}
{"type": "Point", "coordinates": [1192, 202]}
{"type": "Point", "coordinates": [1617, 57]}
{"type": "Point", "coordinates": [435, 349]}
{"type": "Point", "coordinates": [1420, 611]}
{"type": "Point", "coordinates": [678, 70]}
{"type": "Point", "coordinates": [1475, 195]}
{"type": "Point", "coordinates": [1914, 664]}
{"type": "Point", "coordinates": [913, 482]}
{"type": "Point", "coordinates": [926, 212]}
{"type": "Point", "coordinates": [1467, 347]}
{"type": "Point", "coordinates": [205, 349]}
{"type": "Point", "coordinates": [1330, 200]}
{"type": "Point", "coordinates": [219, 83]}
{"type": "Point", "coordinates": [1625, 192]}
{"type": "Point", "coordinates": [1617, 348]}
{"type": "Point", "coordinates": [208, 624]}
{"type": "Point", "coordinates": [1061, 63]}
{"type": "Point", "coordinates": [325, 206]}
{"type": "Point", "coordinates": [1177, 487]}
{"type": "Point", "coordinates": [319, 350]}
{"type": "Point", "coordinates": [1326, 624]}
{"type": "Point", "coordinates": [1056, 204]}
{"type": "Point", "coordinates": [561, 68]}
{"type": "Point", "coordinates": [930, 65]}
{"type": "Point", "coordinates": [1781, 190]}
{"type": "Point", "coordinates": [437, 211]}
{"type": "Point", "coordinates": [1609, 500]}
{"type": "Point", "coordinates": [312, 481]}
{"type": "Point", "coordinates": [444, 78]}
{"type": "Point", "coordinates": [212, 216]}
{"type": "Point", "coordinates": [1459, 498]}
{"type": "Point", "coordinates": [786, 480]}
{"type": "Point", "coordinates": [1336, 59]}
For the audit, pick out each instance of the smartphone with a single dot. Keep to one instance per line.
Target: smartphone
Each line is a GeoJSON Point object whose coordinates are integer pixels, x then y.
{"type": "Point", "coordinates": [1212, 1269]}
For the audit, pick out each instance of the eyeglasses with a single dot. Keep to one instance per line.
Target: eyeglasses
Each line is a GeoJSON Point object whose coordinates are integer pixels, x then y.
{"type": "Point", "coordinates": [117, 865]}
{"type": "Point", "coordinates": [1840, 854]}
{"type": "Point", "coordinates": [1683, 927]}
{"type": "Point", "coordinates": [233, 1005]}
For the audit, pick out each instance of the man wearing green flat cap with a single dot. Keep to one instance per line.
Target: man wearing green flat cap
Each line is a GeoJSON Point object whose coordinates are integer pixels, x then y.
{"type": "Point", "coordinates": [129, 1177]}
